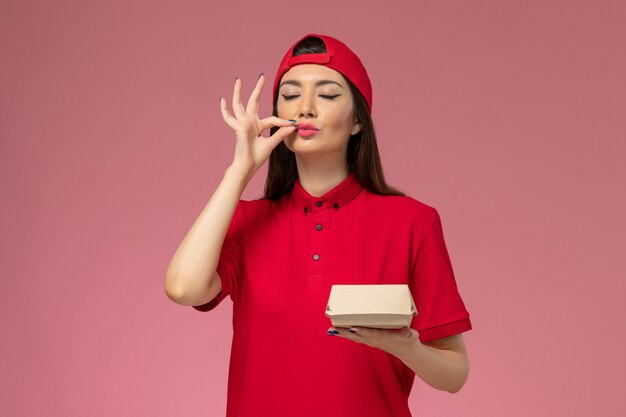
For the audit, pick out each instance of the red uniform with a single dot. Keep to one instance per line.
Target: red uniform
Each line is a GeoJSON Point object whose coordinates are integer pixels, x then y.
{"type": "Point", "coordinates": [278, 263]}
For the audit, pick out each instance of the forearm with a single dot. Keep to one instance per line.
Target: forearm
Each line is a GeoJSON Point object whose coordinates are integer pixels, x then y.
{"type": "Point", "coordinates": [442, 369]}
{"type": "Point", "coordinates": [196, 259]}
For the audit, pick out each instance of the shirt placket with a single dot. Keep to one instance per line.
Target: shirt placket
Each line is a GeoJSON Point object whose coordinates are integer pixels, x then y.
{"type": "Point", "coordinates": [319, 219]}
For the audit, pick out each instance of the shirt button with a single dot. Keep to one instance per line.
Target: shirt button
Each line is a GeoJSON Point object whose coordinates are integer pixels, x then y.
{"type": "Point", "coordinates": [319, 227]}
{"type": "Point", "coordinates": [318, 204]}
{"type": "Point", "coordinates": [336, 205]}
{"type": "Point", "coordinates": [316, 257]}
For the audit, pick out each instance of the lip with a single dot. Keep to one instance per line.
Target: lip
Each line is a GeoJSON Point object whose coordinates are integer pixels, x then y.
{"type": "Point", "coordinates": [306, 129]}
{"type": "Point", "coordinates": [305, 133]}
{"type": "Point", "coordinates": [306, 126]}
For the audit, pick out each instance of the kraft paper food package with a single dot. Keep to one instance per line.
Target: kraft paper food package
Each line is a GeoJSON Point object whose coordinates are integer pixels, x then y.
{"type": "Point", "coordinates": [381, 306]}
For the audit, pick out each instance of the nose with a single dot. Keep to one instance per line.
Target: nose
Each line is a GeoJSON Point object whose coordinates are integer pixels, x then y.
{"type": "Point", "coordinates": [306, 105]}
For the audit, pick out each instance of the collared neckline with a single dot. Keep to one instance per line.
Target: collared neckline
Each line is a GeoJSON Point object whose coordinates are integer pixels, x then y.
{"type": "Point", "coordinates": [335, 198]}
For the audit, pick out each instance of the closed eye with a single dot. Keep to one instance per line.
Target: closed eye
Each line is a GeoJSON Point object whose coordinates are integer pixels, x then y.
{"type": "Point", "coordinates": [287, 98]}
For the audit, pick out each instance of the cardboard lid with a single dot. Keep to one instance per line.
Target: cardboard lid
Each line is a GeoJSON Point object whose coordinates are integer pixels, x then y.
{"type": "Point", "coordinates": [370, 299]}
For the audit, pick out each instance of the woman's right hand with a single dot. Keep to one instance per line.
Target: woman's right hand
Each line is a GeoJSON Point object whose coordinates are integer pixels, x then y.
{"type": "Point", "coordinates": [252, 149]}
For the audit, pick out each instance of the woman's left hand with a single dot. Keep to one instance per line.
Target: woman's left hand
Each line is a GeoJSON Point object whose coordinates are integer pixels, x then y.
{"type": "Point", "coordinates": [390, 340]}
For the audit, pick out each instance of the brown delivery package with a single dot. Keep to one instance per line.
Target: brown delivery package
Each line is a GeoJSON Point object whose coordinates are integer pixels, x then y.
{"type": "Point", "coordinates": [381, 306]}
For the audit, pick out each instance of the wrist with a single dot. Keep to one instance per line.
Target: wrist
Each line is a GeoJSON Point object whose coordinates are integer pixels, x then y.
{"type": "Point", "coordinates": [244, 174]}
{"type": "Point", "coordinates": [407, 349]}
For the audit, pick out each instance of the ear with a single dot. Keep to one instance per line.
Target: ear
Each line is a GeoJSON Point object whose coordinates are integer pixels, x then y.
{"type": "Point", "coordinates": [356, 128]}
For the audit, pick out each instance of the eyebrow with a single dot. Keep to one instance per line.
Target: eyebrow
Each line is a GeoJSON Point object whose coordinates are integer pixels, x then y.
{"type": "Point", "coordinates": [317, 84]}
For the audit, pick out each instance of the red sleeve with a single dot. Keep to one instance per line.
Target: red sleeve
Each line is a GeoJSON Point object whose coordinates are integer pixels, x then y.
{"type": "Point", "coordinates": [229, 267]}
{"type": "Point", "coordinates": [440, 309]}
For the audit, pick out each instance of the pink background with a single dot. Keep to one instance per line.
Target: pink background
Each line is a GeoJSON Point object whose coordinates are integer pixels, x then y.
{"type": "Point", "coordinates": [506, 116]}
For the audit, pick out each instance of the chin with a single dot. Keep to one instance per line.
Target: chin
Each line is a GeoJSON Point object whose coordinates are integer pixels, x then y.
{"type": "Point", "coordinates": [295, 143]}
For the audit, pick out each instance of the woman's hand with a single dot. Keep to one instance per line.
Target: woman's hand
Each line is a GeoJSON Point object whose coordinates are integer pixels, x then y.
{"type": "Point", "coordinates": [391, 341]}
{"type": "Point", "coordinates": [252, 149]}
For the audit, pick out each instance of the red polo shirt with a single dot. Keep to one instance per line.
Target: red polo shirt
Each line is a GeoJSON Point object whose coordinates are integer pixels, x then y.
{"type": "Point", "coordinates": [278, 263]}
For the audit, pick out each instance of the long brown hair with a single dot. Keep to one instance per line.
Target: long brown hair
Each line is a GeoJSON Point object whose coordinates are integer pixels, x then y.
{"type": "Point", "coordinates": [362, 158]}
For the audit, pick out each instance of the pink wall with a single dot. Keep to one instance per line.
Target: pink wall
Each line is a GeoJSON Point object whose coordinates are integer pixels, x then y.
{"type": "Point", "coordinates": [111, 142]}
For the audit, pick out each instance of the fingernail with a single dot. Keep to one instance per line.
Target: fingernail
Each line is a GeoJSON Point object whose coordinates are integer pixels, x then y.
{"type": "Point", "coordinates": [352, 331]}
{"type": "Point", "coordinates": [236, 78]}
{"type": "Point", "coordinates": [292, 121]}
{"type": "Point", "coordinates": [333, 332]}
{"type": "Point", "coordinates": [260, 75]}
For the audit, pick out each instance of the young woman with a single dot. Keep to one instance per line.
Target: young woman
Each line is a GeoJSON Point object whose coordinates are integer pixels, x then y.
{"type": "Point", "coordinates": [327, 217]}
